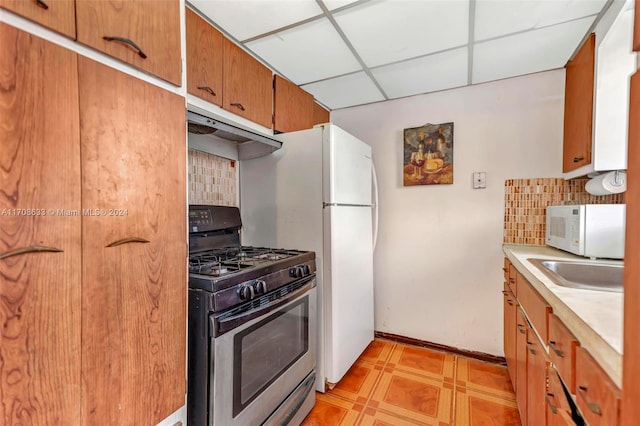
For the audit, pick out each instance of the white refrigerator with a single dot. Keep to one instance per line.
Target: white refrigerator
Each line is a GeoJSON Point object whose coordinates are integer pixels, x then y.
{"type": "Point", "coordinates": [318, 193]}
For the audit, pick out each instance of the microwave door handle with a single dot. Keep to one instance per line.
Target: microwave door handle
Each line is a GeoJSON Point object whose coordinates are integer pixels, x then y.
{"type": "Point", "coordinates": [228, 324]}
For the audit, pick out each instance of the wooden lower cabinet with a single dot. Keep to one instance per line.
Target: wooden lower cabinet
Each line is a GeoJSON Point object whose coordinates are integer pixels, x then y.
{"type": "Point", "coordinates": [40, 251]}
{"type": "Point", "coordinates": [92, 241]}
{"type": "Point", "coordinates": [597, 396]}
{"type": "Point", "coordinates": [510, 333]}
{"type": "Point", "coordinates": [537, 362]}
{"type": "Point", "coordinates": [134, 257]}
{"type": "Point", "coordinates": [522, 327]}
{"type": "Point", "coordinates": [558, 410]}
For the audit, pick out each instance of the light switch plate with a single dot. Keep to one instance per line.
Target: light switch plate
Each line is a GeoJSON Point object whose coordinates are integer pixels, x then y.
{"type": "Point", "coordinates": [479, 180]}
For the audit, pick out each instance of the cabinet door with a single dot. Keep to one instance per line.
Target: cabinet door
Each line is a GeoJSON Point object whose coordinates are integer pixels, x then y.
{"type": "Point", "coordinates": [247, 86]}
{"type": "Point", "coordinates": [521, 364]}
{"type": "Point", "coordinates": [58, 15]}
{"type": "Point", "coordinates": [204, 59]}
{"type": "Point", "coordinates": [631, 366]}
{"type": "Point", "coordinates": [578, 107]}
{"type": "Point", "coordinates": [597, 396]}
{"type": "Point", "coordinates": [40, 257]}
{"type": "Point", "coordinates": [320, 115]}
{"type": "Point", "coordinates": [510, 333]}
{"type": "Point", "coordinates": [143, 33]}
{"type": "Point", "coordinates": [292, 106]}
{"type": "Point", "coordinates": [536, 381]}
{"type": "Point", "coordinates": [562, 350]}
{"type": "Point", "coordinates": [558, 408]}
{"type": "Point", "coordinates": [134, 248]}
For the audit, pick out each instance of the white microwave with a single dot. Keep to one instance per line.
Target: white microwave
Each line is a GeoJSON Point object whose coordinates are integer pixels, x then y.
{"type": "Point", "coordinates": [590, 230]}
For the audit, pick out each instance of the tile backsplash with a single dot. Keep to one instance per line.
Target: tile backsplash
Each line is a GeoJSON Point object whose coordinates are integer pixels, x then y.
{"type": "Point", "coordinates": [212, 179]}
{"type": "Point", "coordinates": [525, 202]}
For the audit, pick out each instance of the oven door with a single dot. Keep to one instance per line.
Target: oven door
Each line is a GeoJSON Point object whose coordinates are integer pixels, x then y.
{"type": "Point", "coordinates": [258, 363]}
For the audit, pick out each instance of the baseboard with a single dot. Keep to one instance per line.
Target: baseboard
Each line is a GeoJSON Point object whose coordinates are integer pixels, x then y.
{"type": "Point", "coordinates": [437, 346]}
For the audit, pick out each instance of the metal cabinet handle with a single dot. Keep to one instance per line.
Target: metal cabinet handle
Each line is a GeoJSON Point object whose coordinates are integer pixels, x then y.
{"type": "Point", "coordinates": [533, 351]}
{"type": "Point", "coordinates": [553, 408]}
{"type": "Point", "coordinates": [504, 269]}
{"type": "Point", "coordinates": [510, 302]}
{"type": "Point", "coordinates": [207, 89]}
{"type": "Point", "coordinates": [238, 104]}
{"type": "Point", "coordinates": [521, 329]}
{"type": "Point", "coordinates": [30, 249]}
{"type": "Point", "coordinates": [577, 159]}
{"type": "Point", "coordinates": [512, 281]}
{"type": "Point", "coordinates": [129, 42]}
{"type": "Point", "coordinates": [42, 4]}
{"type": "Point", "coordinates": [505, 292]}
{"type": "Point", "coordinates": [555, 349]}
{"type": "Point", "coordinates": [595, 408]}
{"type": "Point", "coordinates": [127, 240]}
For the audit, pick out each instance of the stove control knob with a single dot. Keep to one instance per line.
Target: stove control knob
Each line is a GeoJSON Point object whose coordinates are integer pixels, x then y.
{"type": "Point", "coordinates": [295, 272]}
{"type": "Point", "coordinates": [260, 287]}
{"type": "Point", "coordinates": [246, 292]}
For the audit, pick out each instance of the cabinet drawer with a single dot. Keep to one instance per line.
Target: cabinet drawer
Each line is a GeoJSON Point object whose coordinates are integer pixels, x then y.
{"type": "Point", "coordinates": [597, 396]}
{"type": "Point", "coordinates": [510, 277]}
{"type": "Point", "coordinates": [534, 306]}
{"type": "Point", "coordinates": [562, 348]}
{"type": "Point", "coordinates": [558, 408]}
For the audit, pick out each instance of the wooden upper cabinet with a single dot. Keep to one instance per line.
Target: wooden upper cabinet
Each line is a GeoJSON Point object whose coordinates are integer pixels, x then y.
{"type": "Point", "coordinates": [40, 268]}
{"type": "Point", "coordinates": [204, 59]}
{"type": "Point", "coordinates": [631, 358]}
{"type": "Point", "coordinates": [320, 115]}
{"type": "Point", "coordinates": [578, 107]}
{"type": "Point", "coordinates": [134, 284]}
{"type": "Point", "coordinates": [58, 15]}
{"type": "Point", "coordinates": [143, 33]}
{"type": "Point", "coordinates": [636, 27]}
{"type": "Point", "coordinates": [293, 107]}
{"type": "Point", "coordinates": [247, 86]}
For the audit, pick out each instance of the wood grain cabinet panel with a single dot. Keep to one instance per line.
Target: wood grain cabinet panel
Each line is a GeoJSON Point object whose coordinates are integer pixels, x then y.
{"type": "Point", "coordinates": [134, 253]}
{"type": "Point", "coordinates": [142, 33]}
{"type": "Point", "coordinates": [247, 86]}
{"type": "Point", "coordinates": [510, 333]}
{"type": "Point", "coordinates": [558, 408]}
{"type": "Point", "coordinates": [512, 279]}
{"type": "Point", "coordinates": [40, 291]}
{"type": "Point", "coordinates": [292, 106]}
{"type": "Point", "coordinates": [522, 327]}
{"type": "Point", "coordinates": [204, 59]}
{"type": "Point", "coordinates": [536, 380]}
{"type": "Point", "coordinates": [631, 358]}
{"type": "Point", "coordinates": [597, 396]}
{"type": "Point", "coordinates": [58, 15]}
{"type": "Point", "coordinates": [578, 107]}
{"type": "Point", "coordinates": [535, 306]}
{"type": "Point", "coordinates": [320, 114]}
{"type": "Point", "coordinates": [562, 351]}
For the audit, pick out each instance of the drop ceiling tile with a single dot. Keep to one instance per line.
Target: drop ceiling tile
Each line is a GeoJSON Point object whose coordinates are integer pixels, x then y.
{"type": "Point", "coordinates": [248, 18]}
{"type": "Point", "coordinates": [528, 52]}
{"type": "Point", "coordinates": [345, 91]}
{"type": "Point", "coordinates": [335, 4]}
{"type": "Point", "coordinates": [434, 72]}
{"type": "Point", "coordinates": [307, 53]}
{"type": "Point", "coordinates": [388, 31]}
{"type": "Point", "coordinates": [496, 18]}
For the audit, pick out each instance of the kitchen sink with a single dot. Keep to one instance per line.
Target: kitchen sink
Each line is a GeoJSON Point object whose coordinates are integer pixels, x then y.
{"type": "Point", "coordinates": [582, 275]}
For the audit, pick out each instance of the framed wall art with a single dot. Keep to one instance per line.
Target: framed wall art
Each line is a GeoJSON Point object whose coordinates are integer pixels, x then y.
{"type": "Point", "coordinates": [428, 155]}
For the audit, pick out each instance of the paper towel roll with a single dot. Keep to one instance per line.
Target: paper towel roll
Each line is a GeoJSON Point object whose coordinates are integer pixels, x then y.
{"type": "Point", "coordinates": [607, 183]}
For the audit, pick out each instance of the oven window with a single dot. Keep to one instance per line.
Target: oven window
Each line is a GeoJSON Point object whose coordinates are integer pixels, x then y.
{"type": "Point", "coordinates": [263, 352]}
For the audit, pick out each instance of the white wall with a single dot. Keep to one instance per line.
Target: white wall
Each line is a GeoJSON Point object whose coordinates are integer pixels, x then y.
{"type": "Point", "coordinates": [438, 263]}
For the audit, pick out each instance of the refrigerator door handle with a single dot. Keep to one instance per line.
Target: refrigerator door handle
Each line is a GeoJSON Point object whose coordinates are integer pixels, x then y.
{"type": "Point", "coordinates": [375, 205]}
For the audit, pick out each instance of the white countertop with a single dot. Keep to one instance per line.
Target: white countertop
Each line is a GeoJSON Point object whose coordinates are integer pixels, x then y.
{"type": "Point", "coordinates": [594, 317]}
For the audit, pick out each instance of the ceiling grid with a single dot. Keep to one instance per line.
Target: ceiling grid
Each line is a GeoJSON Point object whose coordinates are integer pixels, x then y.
{"type": "Point", "coordinates": [349, 53]}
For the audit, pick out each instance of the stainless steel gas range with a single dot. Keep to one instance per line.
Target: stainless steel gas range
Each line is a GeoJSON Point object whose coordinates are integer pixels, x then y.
{"type": "Point", "coordinates": [252, 326]}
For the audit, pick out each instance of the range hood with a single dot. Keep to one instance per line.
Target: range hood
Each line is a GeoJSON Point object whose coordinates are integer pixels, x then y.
{"type": "Point", "coordinates": [250, 143]}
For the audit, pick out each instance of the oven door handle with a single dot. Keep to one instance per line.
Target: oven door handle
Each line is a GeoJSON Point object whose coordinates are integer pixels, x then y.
{"type": "Point", "coordinates": [227, 324]}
